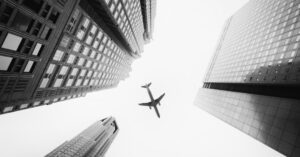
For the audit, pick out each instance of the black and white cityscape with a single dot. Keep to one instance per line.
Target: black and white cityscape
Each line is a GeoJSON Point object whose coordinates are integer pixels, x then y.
{"type": "Point", "coordinates": [95, 78]}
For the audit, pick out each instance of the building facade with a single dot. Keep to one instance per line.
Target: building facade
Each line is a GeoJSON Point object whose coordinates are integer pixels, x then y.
{"type": "Point", "coordinates": [92, 142]}
{"type": "Point", "coordinates": [54, 50]}
{"type": "Point", "coordinates": [253, 80]}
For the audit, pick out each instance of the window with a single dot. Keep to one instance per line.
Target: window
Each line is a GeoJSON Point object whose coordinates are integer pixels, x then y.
{"type": "Point", "coordinates": [22, 22]}
{"type": "Point", "coordinates": [58, 82]}
{"type": "Point", "coordinates": [64, 41]}
{"type": "Point", "coordinates": [44, 83]}
{"type": "Point", "coordinates": [86, 22]}
{"type": "Point", "coordinates": [36, 103]}
{"type": "Point", "coordinates": [34, 5]}
{"type": "Point", "coordinates": [88, 64]}
{"type": "Point", "coordinates": [76, 47]}
{"type": "Point", "coordinates": [38, 48]}
{"type": "Point", "coordinates": [54, 16]}
{"type": "Point", "coordinates": [4, 18]}
{"type": "Point", "coordinates": [27, 47]}
{"type": "Point", "coordinates": [93, 29]}
{"type": "Point", "coordinates": [29, 67]}
{"type": "Point", "coordinates": [89, 40]}
{"type": "Point", "coordinates": [37, 28]}
{"type": "Point", "coordinates": [23, 106]}
{"type": "Point", "coordinates": [86, 51]}
{"type": "Point", "coordinates": [12, 42]}
{"type": "Point", "coordinates": [82, 73]}
{"type": "Point", "coordinates": [92, 55]}
{"type": "Point", "coordinates": [5, 63]}
{"type": "Point", "coordinates": [80, 61]}
{"type": "Point", "coordinates": [101, 47]}
{"type": "Point", "coordinates": [58, 55]}
{"type": "Point", "coordinates": [63, 70]}
{"type": "Point", "coordinates": [46, 33]}
{"type": "Point", "coordinates": [78, 82]}
{"type": "Point", "coordinates": [71, 59]}
{"type": "Point", "coordinates": [50, 69]}
{"type": "Point", "coordinates": [8, 109]}
{"type": "Point", "coordinates": [80, 34]}
{"type": "Point", "coordinates": [70, 82]}
{"type": "Point", "coordinates": [18, 66]}
{"type": "Point", "coordinates": [98, 56]}
{"type": "Point", "coordinates": [74, 72]}
{"type": "Point", "coordinates": [46, 10]}
{"type": "Point", "coordinates": [89, 74]}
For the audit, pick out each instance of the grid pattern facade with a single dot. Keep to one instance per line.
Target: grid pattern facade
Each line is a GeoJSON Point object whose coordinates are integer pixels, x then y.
{"type": "Point", "coordinates": [92, 142]}
{"type": "Point", "coordinates": [55, 50]}
{"type": "Point", "coordinates": [271, 120]}
{"type": "Point", "coordinates": [28, 31]}
{"type": "Point", "coordinates": [127, 16]}
{"type": "Point", "coordinates": [255, 73]}
{"type": "Point", "coordinates": [261, 45]}
{"type": "Point", "coordinates": [86, 59]}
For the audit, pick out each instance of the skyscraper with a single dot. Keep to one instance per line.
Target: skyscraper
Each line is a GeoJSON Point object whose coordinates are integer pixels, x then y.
{"type": "Point", "coordinates": [253, 80]}
{"type": "Point", "coordinates": [92, 142]}
{"type": "Point", "coordinates": [54, 50]}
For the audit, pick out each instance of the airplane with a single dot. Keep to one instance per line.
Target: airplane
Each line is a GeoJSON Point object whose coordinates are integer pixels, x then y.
{"type": "Point", "coordinates": [152, 103]}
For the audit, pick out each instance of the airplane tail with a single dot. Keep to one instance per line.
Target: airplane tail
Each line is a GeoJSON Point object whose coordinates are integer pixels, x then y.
{"type": "Point", "coordinates": [147, 85]}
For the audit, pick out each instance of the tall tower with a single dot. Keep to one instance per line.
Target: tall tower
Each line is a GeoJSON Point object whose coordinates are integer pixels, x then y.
{"type": "Point", "coordinates": [54, 50]}
{"type": "Point", "coordinates": [253, 80]}
{"type": "Point", "coordinates": [92, 142]}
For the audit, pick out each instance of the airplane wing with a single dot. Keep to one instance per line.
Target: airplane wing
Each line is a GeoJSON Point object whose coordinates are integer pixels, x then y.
{"type": "Point", "coordinates": [145, 104]}
{"type": "Point", "coordinates": [158, 99]}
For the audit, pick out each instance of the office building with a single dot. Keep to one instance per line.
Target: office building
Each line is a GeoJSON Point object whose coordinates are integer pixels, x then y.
{"type": "Point", "coordinates": [54, 50]}
{"type": "Point", "coordinates": [92, 142]}
{"type": "Point", "coordinates": [253, 80]}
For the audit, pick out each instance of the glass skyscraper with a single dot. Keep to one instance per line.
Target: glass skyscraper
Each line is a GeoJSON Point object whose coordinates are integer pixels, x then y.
{"type": "Point", "coordinates": [253, 80]}
{"type": "Point", "coordinates": [92, 142]}
{"type": "Point", "coordinates": [54, 50]}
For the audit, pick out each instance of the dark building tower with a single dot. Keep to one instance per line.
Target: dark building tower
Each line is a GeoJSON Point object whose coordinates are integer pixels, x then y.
{"type": "Point", "coordinates": [92, 142]}
{"type": "Point", "coordinates": [253, 80]}
{"type": "Point", "coordinates": [53, 50]}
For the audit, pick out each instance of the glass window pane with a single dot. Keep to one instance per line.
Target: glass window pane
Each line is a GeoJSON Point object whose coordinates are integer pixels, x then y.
{"type": "Point", "coordinates": [22, 22]}
{"type": "Point", "coordinates": [69, 83]}
{"type": "Point", "coordinates": [46, 33]}
{"type": "Point", "coordinates": [63, 70]}
{"type": "Point", "coordinates": [54, 15]}
{"type": "Point", "coordinates": [74, 71]}
{"type": "Point", "coordinates": [11, 42]}
{"type": "Point", "coordinates": [71, 59]}
{"type": "Point", "coordinates": [50, 69]}
{"type": "Point", "coordinates": [44, 83]}
{"type": "Point", "coordinates": [64, 41]}
{"type": "Point", "coordinates": [29, 66]}
{"type": "Point", "coordinates": [86, 51]}
{"type": "Point", "coordinates": [58, 83]}
{"type": "Point", "coordinates": [23, 106]}
{"type": "Point", "coordinates": [37, 49]}
{"type": "Point", "coordinates": [5, 62]}
{"type": "Point", "coordinates": [77, 47]}
{"type": "Point", "coordinates": [80, 34]}
{"type": "Point", "coordinates": [58, 55]}
{"type": "Point", "coordinates": [8, 109]}
{"type": "Point", "coordinates": [86, 22]}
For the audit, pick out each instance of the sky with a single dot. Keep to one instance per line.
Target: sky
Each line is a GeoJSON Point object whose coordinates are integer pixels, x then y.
{"type": "Point", "coordinates": [185, 36]}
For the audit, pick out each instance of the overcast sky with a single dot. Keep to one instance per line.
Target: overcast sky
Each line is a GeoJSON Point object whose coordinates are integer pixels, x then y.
{"type": "Point", "coordinates": [186, 33]}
